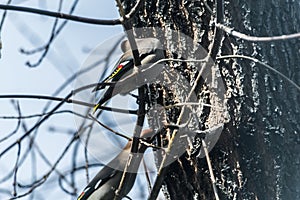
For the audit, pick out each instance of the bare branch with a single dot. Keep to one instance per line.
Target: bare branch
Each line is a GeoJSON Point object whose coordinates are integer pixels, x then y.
{"type": "Point", "coordinates": [44, 97]}
{"type": "Point", "coordinates": [41, 115]}
{"type": "Point", "coordinates": [69, 100]}
{"type": "Point", "coordinates": [243, 36]}
{"type": "Point", "coordinates": [17, 106]}
{"type": "Point", "coordinates": [36, 125]}
{"type": "Point", "coordinates": [16, 169]}
{"type": "Point", "coordinates": [263, 64]}
{"type": "Point", "coordinates": [46, 176]}
{"type": "Point", "coordinates": [62, 15]}
{"type": "Point", "coordinates": [212, 176]}
{"type": "Point", "coordinates": [110, 129]}
{"type": "Point", "coordinates": [4, 16]}
{"type": "Point", "coordinates": [54, 34]}
{"type": "Point", "coordinates": [135, 9]}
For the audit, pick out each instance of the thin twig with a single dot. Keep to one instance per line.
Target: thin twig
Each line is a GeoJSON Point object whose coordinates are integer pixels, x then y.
{"type": "Point", "coordinates": [39, 182]}
{"type": "Point", "coordinates": [36, 125]}
{"type": "Point", "coordinates": [17, 107]}
{"type": "Point", "coordinates": [44, 97]}
{"type": "Point", "coordinates": [110, 129]}
{"type": "Point", "coordinates": [194, 104]}
{"type": "Point", "coordinates": [53, 35]}
{"type": "Point", "coordinates": [86, 154]}
{"type": "Point", "coordinates": [82, 71]}
{"type": "Point", "coordinates": [42, 120]}
{"type": "Point", "coordinates": [134, 10]}
{"type": "Point", "coordinates": [47, 161]}
{"type": "Point", "coordinates": [263, 64]}
{"type": "Point", "coordinates": [147, 176]}
{"type": "Point", "coordinates": [16, 169]}
{"type": "Point", "coordinates": [41, 115]}
{"type": "Point", "coordinates": [4, 17]}
{"type": "Point", "coordinates": [69, 100]}
{"type": "Point", "coordinates": [46, 176]}
{"type": "Point", "coordinates": [212, 176]}
{"type": "Point", "coordinates": [62, 15]}
{"type": "Point", "coordinates": [243, 36]}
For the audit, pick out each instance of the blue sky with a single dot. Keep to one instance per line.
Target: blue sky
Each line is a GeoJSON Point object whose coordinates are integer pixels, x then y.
{"type": "Point", "coordinates": [68, 52]}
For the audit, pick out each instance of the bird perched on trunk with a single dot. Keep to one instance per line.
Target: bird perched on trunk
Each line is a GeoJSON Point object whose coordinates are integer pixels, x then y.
{"type": "Point", "coordinates": [124, 78]}
{"type": "Point", "coordinates": [106, 182]}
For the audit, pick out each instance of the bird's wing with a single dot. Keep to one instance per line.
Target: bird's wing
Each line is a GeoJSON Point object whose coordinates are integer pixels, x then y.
{"type": "Point", "coordinates": [104, 175]}
{"type": "Point", "coordinates": [122, 66]}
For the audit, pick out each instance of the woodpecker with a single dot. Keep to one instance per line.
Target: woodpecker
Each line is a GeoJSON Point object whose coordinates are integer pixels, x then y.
{"type": "Point", "coordinates": [124, 76]}
{"type": "Point", "coordinates": [104, 185]}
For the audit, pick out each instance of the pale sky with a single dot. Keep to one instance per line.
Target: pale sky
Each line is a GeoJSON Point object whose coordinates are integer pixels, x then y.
{"type": "Point", "coordinates": [67, 53]}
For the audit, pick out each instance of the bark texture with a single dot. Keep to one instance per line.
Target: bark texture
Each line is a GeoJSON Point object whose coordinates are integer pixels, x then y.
{"type": "Point", "coordinates": [257, 155]}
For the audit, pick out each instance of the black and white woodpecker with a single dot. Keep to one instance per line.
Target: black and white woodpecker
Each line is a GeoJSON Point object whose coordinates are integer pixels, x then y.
{"type": "Point", "coordinates": [125, 77]}
{"type": "Point", "coordinates": [105, 184]}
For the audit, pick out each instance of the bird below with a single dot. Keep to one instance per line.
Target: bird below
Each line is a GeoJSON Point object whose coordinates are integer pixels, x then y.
{"type": "Point", "coordinates": [105, 184]}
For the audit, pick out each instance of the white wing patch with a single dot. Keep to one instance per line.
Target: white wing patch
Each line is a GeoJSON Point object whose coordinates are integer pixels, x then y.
{"type": "Point", "coordinates": [97, 184]}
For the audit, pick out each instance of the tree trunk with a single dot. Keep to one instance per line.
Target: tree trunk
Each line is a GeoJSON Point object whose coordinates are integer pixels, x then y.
{"type": "Point", "coordinates": [257, 155]}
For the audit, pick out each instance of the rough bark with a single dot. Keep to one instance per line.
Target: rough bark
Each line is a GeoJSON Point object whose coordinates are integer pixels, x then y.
{"type": "Point", "coordinates": [257, 155]}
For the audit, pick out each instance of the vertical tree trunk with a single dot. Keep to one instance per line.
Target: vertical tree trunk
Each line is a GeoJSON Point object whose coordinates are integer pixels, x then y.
{"type": "Point", "coordinates": [269, 124]}
{"type": "Point", "coordinates": [257, 155]}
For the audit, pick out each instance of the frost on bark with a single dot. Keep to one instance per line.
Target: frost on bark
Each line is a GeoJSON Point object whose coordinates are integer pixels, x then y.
{"type": "Point", "coordinates": [257, 155]}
